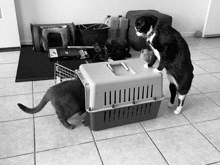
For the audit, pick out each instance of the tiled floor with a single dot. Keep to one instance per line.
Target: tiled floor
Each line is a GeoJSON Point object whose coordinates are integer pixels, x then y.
{"type": "Point", "coordinates": [193, 137]}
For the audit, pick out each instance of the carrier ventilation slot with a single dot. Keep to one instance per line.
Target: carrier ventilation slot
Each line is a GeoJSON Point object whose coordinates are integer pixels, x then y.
{"type": "Point", "coordinates": [128, 95]}
{"type": "Point", "coordinates": [127, 113]}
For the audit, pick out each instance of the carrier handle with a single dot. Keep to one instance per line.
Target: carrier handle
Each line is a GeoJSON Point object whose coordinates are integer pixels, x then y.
{"type": "Point", "coordinates": [123, 64]}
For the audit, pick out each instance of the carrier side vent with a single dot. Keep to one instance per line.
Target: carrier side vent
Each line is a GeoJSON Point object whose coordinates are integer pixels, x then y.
{"type": "Point", "coordinates": [128, 95]}
{"type": "Point", "coordinates": [126, 113]}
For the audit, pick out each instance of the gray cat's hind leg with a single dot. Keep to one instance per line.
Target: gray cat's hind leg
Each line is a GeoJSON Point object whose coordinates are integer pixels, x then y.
{"type": "Point", "coordinates": [66, 124]}
{"type": "Point", "coordinates": [61, 113]}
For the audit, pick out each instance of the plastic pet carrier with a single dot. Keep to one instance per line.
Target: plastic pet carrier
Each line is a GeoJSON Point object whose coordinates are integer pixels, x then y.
{"type": "Point", "coordinates": [120, 92]}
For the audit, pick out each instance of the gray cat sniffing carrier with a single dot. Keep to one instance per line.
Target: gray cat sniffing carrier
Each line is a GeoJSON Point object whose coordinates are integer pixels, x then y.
{"type": "Point", "coordinates": [120, 92]}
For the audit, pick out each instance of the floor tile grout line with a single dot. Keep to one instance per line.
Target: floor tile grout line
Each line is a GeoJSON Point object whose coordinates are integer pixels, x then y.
{"type": "Point", "coordinates": [9, 63]}
{"type": "Point", "coordinates": [34, 130]}
{"type": "Point", "coordinates": [15, 94]}
{"type": "Point", "coordinates": [211, 92]}
{"type": "Point", "coordinates": [7, 77]}
{"type": "Point", "coordinates": [34, 138]}
{"type": "Point", "coordinates": [18, 155]}
{"type": "Point", "coordinates": [155, 144]}
{"type": "Point", "coordinates": [66, 146]}
{"type": "Point", "coordinates": [15, 120]}
{"type": "Point", "coordinates": [202, 50]}
{"type": "Point", "coordinates": [183, 125]}
{"type": "Point", "coordinates": [199, 122]}
{"type": "Point", "coordinates": [115, 137]}
{"type": "Point", "coordinates": [96, 146]}
{"type": "Point", "coordinates": [203, 93]}
{"type": "Point", "coordinates": [46, 115]}
{"type": "Point", "coordinates": [210, 98]}
{"type": "Point", "coordinates": [213, 163]}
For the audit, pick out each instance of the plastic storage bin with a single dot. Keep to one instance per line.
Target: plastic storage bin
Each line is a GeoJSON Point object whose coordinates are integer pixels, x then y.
{"type": "Point", "coordinates": [120, 92]}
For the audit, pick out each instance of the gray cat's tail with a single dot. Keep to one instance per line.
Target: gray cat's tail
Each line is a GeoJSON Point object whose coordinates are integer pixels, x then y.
{"type": "Point", "coordinates": [39, 107]}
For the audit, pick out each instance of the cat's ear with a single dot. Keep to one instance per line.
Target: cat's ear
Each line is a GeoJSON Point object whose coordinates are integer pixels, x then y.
{"type": "Point", "coordinates": [153, 20]}
{"type": "Point", "coordinates": [140, 22]}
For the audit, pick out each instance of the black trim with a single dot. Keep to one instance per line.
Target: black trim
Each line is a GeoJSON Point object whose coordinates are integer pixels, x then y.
{"type": "Point", "coordinates": [10, 49]}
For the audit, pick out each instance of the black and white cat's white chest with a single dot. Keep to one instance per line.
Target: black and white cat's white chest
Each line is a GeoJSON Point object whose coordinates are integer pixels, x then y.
{"type": "Point", "coordinates": [154, 49]}
{"type": "Point", "coordinates": [151, 42]}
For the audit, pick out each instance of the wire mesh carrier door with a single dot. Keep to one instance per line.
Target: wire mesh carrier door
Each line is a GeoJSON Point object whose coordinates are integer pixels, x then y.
{"type": "Point", "coordinates": [120, 92]}
{"type": "Point", "coordinates": [62, 73]}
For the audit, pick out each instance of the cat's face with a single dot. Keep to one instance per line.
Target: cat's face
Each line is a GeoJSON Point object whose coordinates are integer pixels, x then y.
{"type": "Point", "coordinates": [144, 25]}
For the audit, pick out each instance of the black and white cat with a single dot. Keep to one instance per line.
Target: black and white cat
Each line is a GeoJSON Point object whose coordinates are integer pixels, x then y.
{"type": "Point", "coordinates": [68, 98]}
{"type": "Point", "coordinates": [173, 54]}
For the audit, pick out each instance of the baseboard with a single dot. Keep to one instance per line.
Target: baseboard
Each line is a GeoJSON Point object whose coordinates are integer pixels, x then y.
{"type": "Point", "coordinates": [187, 34]}
{"type": "Point", "coordinates": [9, 49]}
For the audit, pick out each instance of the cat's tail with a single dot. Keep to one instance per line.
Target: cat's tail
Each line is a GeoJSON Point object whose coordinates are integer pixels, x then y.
{"type": "Point", "coordinates": [39, 107]}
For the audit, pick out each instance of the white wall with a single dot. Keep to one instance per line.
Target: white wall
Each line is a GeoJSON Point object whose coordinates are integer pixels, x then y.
{"type": "Point", "coordinates": [188, 16]}
{"type": "Point", "coordinates": [9, 36]}
{"type": "Point", "coordinates": [212, 22]}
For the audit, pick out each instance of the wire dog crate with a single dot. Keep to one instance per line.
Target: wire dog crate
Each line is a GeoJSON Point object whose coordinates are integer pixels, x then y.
{"type": "Point", "coordinates": [120, 92]}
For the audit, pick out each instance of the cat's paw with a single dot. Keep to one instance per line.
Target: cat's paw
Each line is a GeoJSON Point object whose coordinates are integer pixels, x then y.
{"type": "Point", "coordinates": [71, 126]}
{"type": "Point", "coordinates": [156, 70]}
{"type": "Point", "coordinates": [85, 123]}
{"type": "Point", "coordinates": [178, 110]}
{"type": "Point", "coordinates": [170, 105]}
{"type": "Point", "coordinates": [145, 65]}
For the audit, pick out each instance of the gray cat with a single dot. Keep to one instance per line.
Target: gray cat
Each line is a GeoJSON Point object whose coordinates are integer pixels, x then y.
{"type": "Point", "coordinates": [68, 98]}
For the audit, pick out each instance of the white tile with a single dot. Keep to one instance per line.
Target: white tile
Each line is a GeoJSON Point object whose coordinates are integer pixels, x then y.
{"type": "Point", "coordinates": [130, 150]}
{"type": "Point", "coordinates": [193, 91]}
{"type": "Point", "coordinates": [184, 145]}
{"type": "Point", "coordinates": [19, 160]}
{"type": "Point", "coordinates": [42, 86]}
{"type": "Point", "coordinates": [211, 130]}
{"type": "Point", "coordinates": [50, 133]}
{"type": "Point", "coordinates": [214, 52]}
{"type": "Point", "coordinates": [215, 97]}
{"type": "Point", "coordinates": [199, 108]}
{"type": "Point", "coordinates": [200, 44]}
{"type": "Point", "coordinates": [118, 131]}
{"type": "Point", "coordinates": [9, 57]}
{"type": "Point", "coordinates": [198, 55]}
{"type": "Point", "coordinates": [10, 110]}
{"type": "Point", "coordinates": [16, 138]}
{"type": "Point", "coordinates": [216, 163]}
{"type": "Point", "coordinates": [83, 154]}
{"type": "Point", "coordinates": [213, 40]}
{"type": "Point", "coordinates": [206, 83]}
{"type": "Point", "coordinates": [210, 66]}
{"type": "Point", "coordinates": [8, 86]}
{"type": "Point", "coordinates": [198, 70]}
{"type": "Point", "coordinates": [216, 75]}
{"type": "Point", "coordinates": [165, 118]}
{"type": "Point", "coordinates": [8, 70]}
